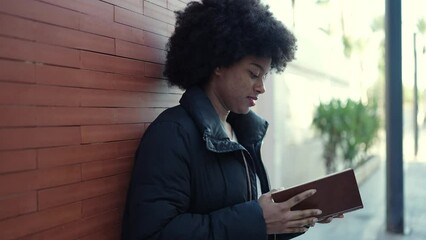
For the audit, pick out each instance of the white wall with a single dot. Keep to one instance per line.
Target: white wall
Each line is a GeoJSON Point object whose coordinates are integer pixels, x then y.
{"type": "Point", "coordinates": [292, 152]}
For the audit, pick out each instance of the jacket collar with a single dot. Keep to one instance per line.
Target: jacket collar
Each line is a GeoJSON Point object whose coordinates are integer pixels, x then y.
{"type": "Point", "coordinates": [249, 128]}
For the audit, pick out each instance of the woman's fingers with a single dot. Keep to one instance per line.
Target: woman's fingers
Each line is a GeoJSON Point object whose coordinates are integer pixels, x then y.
{"type": "Point", "coordinates": [303, 222]}
{"type": "Point", "coordinates": [304, 214]}
{"type": "Point", "coordinates": [300, 197]}
{"type": "Point", "coordinates": [330, 219]}
{"type": "Point", "coordinates": [279, 217]}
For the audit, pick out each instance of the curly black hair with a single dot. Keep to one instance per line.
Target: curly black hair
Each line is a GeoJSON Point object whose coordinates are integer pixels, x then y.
{"type": "Point", "coordinates": [218, 33]}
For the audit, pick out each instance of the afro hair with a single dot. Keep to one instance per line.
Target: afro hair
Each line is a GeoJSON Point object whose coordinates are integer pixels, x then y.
{"type": "Point", "coordinates": [218, 33]}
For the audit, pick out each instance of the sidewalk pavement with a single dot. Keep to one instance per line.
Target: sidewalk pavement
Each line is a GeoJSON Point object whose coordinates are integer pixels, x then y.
{"type": "Point", "coordinates": [369, 223]}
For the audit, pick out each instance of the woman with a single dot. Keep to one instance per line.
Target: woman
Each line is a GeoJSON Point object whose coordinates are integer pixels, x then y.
{"type": "Point", "coordinates": [198, 172]}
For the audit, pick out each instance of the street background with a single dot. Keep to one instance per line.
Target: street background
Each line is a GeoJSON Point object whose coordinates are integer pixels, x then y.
{"type": "Point", "coordinates": [369, 223]}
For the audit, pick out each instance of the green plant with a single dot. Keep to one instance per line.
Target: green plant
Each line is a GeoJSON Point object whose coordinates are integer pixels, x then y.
{"type": "Point", "coordinates": [349, 128]}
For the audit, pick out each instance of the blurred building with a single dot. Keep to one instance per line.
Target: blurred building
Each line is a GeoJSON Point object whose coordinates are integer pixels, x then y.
{"type": "Point", "coordinates": [292, 151]}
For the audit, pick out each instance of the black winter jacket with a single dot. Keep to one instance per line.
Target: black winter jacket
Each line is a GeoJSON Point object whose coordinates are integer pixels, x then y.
{"type": "Point", "coordinates": [191, 182]}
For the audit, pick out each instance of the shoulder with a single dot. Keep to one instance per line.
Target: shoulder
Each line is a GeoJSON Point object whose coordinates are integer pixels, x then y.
{"type": "Point", "coordinates": [175, 114]}
{"type": "Point", "coordinates": [173, 120]}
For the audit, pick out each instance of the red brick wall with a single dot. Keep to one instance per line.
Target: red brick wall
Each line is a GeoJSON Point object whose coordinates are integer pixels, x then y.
{"type": "Point", "coordinates": [80, 80]}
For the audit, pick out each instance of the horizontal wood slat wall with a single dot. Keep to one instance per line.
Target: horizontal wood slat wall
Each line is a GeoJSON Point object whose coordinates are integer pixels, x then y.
{"type": "Point", "coordinates": [79, 83]}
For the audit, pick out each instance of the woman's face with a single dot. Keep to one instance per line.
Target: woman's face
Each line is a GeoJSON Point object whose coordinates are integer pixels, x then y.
{"type": "Point", "coordinates": [237, 88]}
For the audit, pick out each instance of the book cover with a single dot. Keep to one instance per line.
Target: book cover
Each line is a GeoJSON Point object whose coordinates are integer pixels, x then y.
{"type": "Point", "coordinates": [336, 193]}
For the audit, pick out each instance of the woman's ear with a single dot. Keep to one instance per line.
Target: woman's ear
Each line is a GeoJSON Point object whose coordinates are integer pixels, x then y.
{"type": "Point", "coordinates": [218, 71]}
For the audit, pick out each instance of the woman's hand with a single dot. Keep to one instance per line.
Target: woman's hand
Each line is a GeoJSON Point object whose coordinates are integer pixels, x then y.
{"type": "Point", "coordinates": [280, 219]}
{"type": "Point", "coordinates": [329, 219]}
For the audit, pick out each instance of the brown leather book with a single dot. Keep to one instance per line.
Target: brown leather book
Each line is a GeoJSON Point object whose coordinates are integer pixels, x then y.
{"type": "Point", "coordinates": [336, 193]}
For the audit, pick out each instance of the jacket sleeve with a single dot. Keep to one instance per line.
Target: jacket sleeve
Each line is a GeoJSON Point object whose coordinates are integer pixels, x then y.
{"type": "Point", "coordinates": [285, 236]}
{"type": "Point", "coordinates": [159, 196]}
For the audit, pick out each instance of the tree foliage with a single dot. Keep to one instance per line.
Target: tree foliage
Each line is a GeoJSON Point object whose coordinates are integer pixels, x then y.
{"type": "Point", "coordinates": [349, 128]}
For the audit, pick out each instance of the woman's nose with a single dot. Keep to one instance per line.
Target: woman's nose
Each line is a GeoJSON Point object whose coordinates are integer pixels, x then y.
{"type": "Point", "coordinates": [260, 86]}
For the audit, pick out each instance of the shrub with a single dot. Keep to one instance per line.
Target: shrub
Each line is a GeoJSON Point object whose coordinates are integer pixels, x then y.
{"type": "Point", "coordinates": [349, 128]}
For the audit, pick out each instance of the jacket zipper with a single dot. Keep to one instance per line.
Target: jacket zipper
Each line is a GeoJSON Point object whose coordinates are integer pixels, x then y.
{"type": "Point", "coordinates": [249, 182]}
{"type": "Point", "coordinates": [248, 176]}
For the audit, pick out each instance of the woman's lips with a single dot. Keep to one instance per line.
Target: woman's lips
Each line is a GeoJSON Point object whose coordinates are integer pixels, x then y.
{"type": "Point", "coordinates": [252, 101]}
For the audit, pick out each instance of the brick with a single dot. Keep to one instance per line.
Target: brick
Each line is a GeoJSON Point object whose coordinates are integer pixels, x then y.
{"type": "Point", "coordinates": [107, 233]}
{"type": "Point", "coordinates": [62, 76]}
{"type": "Point", "coordinates": [50, 157]}
{"type": "Point", "coordinates": [78, 228]}
{"type": "Point", "coordinates": [155, 40]}
{"type": "Point", "coordinates": [103, 203]}
{"type": "Point", "coordinates": [108, 133]}
{"type": "Point", "coordinates": [154, 70]}
{"type": "Point", "coordinates": [79, 191]}
{"type": "Point", "coordinates": [18, 227]}
{"type": "Point", "coordinates": [40, 11]}
{"type": "Point", "coordinates": [97, 25]}
{"type": "Point", "coordinates": [17, 27]}
{"type": "Point", "coordinates": [56, 116]}
{"type": "Point", "coordinates": [161, 3]}
{"type": "Point", "coordinates": [46, 33]}
{"type": "Point", "coordinates": [175, 5]}
{"type": "Point", "coordinates": [14, 161]}
{"type": "Point", "coordinates": [73, 38]}
{"type": "Point", "coordinates": [97, 169]}
{"type": "Point", "coordinates": [17, 116]}
{"type": "Point", "coordinates": [158, 12]}
{"type": "Point", "coordinates": [57, 176]}
{"type": "Point", "coordinates": [110, 98]}
{"type": "Point", "coordinates": [170, 29]}
{"type": "Point", "coordinates": [12, 71]}
{"type": "Point", "coordinates": [38, 179]}
{"type": "Point", "coordinates": [139, 52]}
{"type": "Point", "coordinates": [37, 95]}
{"type": "Point", "coordinates": [159, 100]}
{"type": "Point", "coordinates": [132, 5]}
{"type": "Point", "coordinates": [91, 7]}
{"type": "Point", "coordinates": [137, 84]}
{"type": "Point", "coordinates": [112, 2]}
{"type": "Point", "coordinates": [60, 156]}
{"type": "Point", "coordinates": [18, 182]}
{"type": "Point", "coordinates": [129, 34]}
{"type": "Point", "coordinates": [127, 148]}
{"type": "Point", "coordinates": [136, 115]}
{"type": "Point", "coordinates": [142, 22]}
{"type": "Point", "coordinates": [21, 138]}
{"type": "Point", "coordinates": [154, 85]}
{"type": "Point", "coordinates": [19, 204]}
{"type": "Point", "coordinates": [38, 52]}
{"type": "Point", "coordinates": [106, 63]}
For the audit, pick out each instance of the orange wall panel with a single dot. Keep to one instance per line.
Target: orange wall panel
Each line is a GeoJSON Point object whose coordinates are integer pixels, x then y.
{"type": "Point", "coordinates": [23, 50]}
{"type": "Point", "coordinates": [103, 203]}
{"type": "Point", "coordinates": [59, 156]}
{"type": "Point", "coordinates": [90, 7]}
{"type": "Point", "coordinates": [43, 12]}
{"type": "Point", "coordinates": [23, 138]}
{"type": "Point", "coordinates": [20, 160]}
{"type": "Point", "coordinates": [112, 64]}
{"type": "Point", "coordinates": [18, 204]}
{"type": "Point", "coordinates": [17, 71]}
{"type": "Point", "coordinates": [20, 226]}
{"type": "Point", "coordinates": [38, 179]}
{"type": "Point", "coordinates": [80, 191]}
{"type": "Point", "coordinates": [80, 81]}
{"type": "Point", "coordinates": [106, 233]}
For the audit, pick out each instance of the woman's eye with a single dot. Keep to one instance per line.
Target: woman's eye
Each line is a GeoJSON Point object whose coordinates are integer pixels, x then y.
{"type": "Point", "coordinates": [252, 75]}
